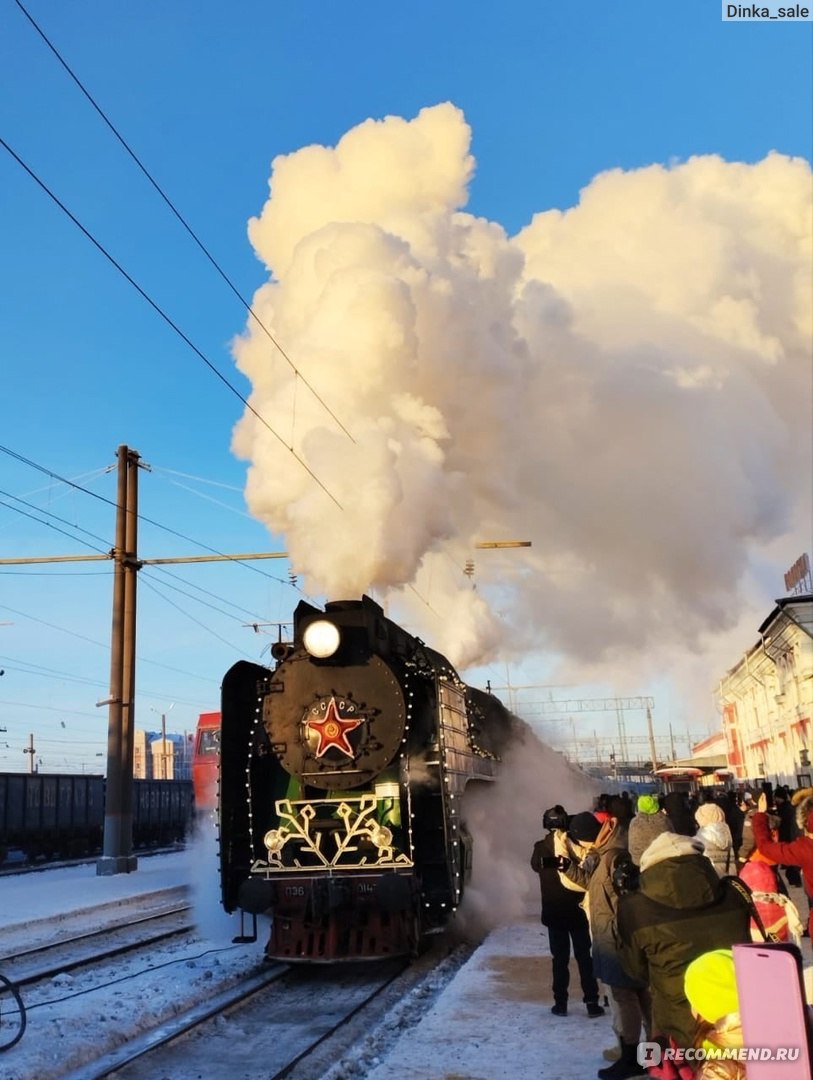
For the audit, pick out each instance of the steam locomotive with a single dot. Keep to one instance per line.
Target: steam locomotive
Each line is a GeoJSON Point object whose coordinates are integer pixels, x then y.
{"type": "Point", "coordinates": [342, 779]}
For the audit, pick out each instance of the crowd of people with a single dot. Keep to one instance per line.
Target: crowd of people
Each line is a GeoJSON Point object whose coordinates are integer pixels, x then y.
{"type": "Point", "coordinates": [651, 895]}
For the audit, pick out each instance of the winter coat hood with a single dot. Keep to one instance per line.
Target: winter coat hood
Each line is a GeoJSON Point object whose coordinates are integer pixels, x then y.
{"type": "Point", "coordinates": [669, 845]}
{"type": "Point", "coordinates": [716, 835]}
{"type": "Point", "coordinates": [683, 882]}
{"type": "Point", "coordinates": [617, 838]}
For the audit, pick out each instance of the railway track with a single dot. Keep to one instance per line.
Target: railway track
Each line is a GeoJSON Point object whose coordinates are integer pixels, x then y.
{"type": "Point", "coordinates": [156, 1004]}
{"type": "Point", "coordinates": [39, 933]}
{"type": "Point", "coordinates": [146, 1047]}
{"type": "Point", "coordinates": [276, 1022]}
{"type": "Point", "coordinates": [29, 966]}
{"type": "Point", "coordinates": [124, 975]}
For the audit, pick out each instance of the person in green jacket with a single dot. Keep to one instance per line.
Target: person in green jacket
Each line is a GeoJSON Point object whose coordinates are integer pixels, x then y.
{"type": "Point", "coordinates": [681, 910]}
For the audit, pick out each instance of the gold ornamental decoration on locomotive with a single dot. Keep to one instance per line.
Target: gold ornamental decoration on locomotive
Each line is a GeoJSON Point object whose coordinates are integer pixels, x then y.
{"type": "Point", "coordinates": [322, 834]}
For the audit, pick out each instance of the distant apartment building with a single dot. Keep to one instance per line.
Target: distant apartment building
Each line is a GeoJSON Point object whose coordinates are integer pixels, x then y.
{"type": "Point", "coordinates": [766, 700]}
{"type": "Point", "coordinates": [156, 758]}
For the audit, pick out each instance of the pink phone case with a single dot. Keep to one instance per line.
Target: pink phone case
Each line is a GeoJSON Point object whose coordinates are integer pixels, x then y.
{"type": "Point", "coordinates": [773, 1011]}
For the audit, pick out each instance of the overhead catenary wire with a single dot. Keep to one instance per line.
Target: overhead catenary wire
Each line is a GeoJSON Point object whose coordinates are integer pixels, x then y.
{"type": "Point", "coordinates": [154, 588]}
{"type": "Point", "coordinates": [141, 517]}
{"type": "Point", "coordinates": [158, 570]}
{"type": "Point", "coordinates": [198, 600]}
{"type": "Point", "coordinates": [154, 569]}
{"type": "Point", "coordinates": [27, 667]}
{"type": "Point", "coordinates": [56, 517]}
{"type": "Point", "coordinates": [161, 570]}
{"type": "Point", "coordinates": [252, 615]}
{"type": "Point", "coordinates": [253, 315]}
{"type": "Point", "coordinates": [225, 277]}
{"type": "Point", "coordinates": [167, 319]}
{"type": "Point", "coordinates": [104, 645]}
{"type": "Point", "coordinates": [90, 474]}
{"type": "Point", "coordinates": [202, 495]}
{"type": "Point", "coordinates": [156, 307]}
{"type": "Point", "coordinates": [48, 708]}
{"type": "Point", "coordinates": [200, 479]}
{"type": "Point", "coordinates": [129, 150]}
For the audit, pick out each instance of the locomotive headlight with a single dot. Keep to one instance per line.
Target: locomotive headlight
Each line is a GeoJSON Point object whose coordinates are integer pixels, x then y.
{"type": "Point", "coordinates": [321, 639]}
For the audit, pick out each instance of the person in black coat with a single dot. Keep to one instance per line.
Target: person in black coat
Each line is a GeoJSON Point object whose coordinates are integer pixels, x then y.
{"type": "Point", "coordinates": [676, 805]}
{"type": "Point", "coordinates": [564, 918]}
{"type": "Point", "coordinates": [734, 818]}
{"type": "Point", "coordinates": [787, 830]}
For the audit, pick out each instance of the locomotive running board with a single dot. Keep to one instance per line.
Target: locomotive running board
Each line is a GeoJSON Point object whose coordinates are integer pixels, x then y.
{"type": "Point", "coordinates": [243, 938]}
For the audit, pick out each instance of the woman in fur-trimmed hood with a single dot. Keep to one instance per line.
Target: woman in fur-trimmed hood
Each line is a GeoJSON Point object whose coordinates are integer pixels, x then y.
{"type": "Point", "coordinates": [681, 910]}
{"type": "Point", "coordinates": [798, 852]}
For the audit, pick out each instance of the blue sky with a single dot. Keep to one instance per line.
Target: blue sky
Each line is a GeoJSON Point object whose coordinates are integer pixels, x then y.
{"type": "Point", "coordinates": [208, 95]}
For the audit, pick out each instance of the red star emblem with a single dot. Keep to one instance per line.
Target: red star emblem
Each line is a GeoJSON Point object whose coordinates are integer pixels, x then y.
{"type": "Point", "coordinates": [332, 730]}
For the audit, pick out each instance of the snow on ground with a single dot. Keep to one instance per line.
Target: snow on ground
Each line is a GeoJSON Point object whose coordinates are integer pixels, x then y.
{"type": "Point", "coordinates": [76, 1015]}
{"type": "Point", "coordinates": [491, 1021]}
{"type": "Point", "coordinates": [78, 1011]}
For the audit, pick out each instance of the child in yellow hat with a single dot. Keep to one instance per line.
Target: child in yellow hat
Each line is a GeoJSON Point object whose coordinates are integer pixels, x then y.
{"type": "Point", "coordinates": [710, 985]}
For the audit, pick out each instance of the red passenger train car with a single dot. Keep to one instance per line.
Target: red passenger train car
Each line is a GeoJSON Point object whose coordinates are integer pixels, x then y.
{"type": "Point", "coordinates": [206, 761]}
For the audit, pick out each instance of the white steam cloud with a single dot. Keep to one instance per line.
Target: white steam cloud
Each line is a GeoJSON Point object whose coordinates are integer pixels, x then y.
{"type": "Point", "coordinates": [505, 820]}
{"type": "Point", "coordinates": [627, 384]}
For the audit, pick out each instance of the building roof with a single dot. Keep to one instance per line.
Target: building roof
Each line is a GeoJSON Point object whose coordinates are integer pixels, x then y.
{"type": "Point", "coordinates": [714, 743]}
{"type": "Point", "coordinates": [799, 609]}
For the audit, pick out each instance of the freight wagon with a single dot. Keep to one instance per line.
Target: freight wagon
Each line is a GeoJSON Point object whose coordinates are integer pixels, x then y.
{"type": "Point", "coordinates": [47, 816]}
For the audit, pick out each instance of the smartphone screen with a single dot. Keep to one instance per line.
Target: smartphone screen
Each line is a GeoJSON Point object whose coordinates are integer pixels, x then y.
{"type": "Point", "coordinates": [773, 1011]}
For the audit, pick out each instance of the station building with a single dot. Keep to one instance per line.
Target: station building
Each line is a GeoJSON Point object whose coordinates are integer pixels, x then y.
{"type": "Point", "coordinates": [766, 700]}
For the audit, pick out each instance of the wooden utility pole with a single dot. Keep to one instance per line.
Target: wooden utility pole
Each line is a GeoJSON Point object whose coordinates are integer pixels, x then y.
{"type": "Point", "coordinates": [117, 852]}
